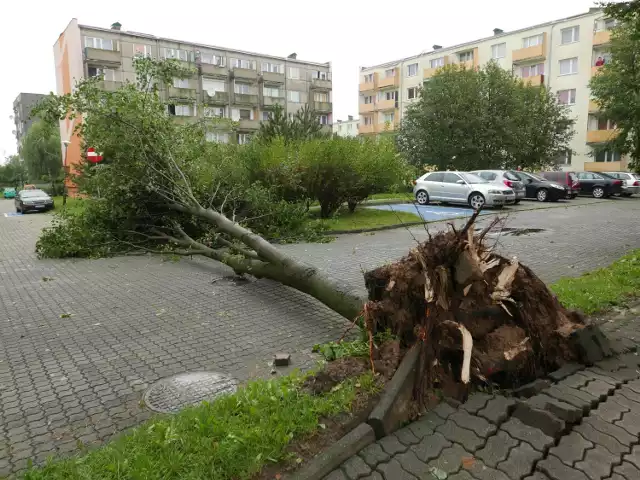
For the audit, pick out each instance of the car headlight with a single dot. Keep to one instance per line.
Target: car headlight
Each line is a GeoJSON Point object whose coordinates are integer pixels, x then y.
{"type": "Point", "coordinates": [558, 186]}
{"type": "Point", "coordinates": [495, 192]}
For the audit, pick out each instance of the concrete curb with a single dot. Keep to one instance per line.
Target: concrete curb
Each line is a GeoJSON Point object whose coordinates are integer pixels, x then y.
{"type": "Point", "coordinates": [334, 456]}
{"type": "Point", "coordinates": [392, 410]}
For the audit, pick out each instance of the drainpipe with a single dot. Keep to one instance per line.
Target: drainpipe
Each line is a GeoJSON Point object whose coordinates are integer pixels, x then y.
{"type": "Point", "coordinates": [550, 54]}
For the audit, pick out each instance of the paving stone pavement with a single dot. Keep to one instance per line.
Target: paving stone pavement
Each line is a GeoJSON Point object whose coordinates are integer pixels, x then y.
{"type": "Point", "coordinates": [80, 340]}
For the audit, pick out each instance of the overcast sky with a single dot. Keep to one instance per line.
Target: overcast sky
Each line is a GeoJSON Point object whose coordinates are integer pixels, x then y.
{"type": "Point", "coordinates": [349, 33]}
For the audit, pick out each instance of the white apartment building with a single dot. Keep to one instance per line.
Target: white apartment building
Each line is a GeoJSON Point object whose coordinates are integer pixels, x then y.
{"type": "Point", "coordinates": [562, 55]}
{"type": "Point", "coordinates": [346, 128]}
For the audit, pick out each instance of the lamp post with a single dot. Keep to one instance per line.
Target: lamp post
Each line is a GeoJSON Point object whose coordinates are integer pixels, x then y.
{"type": "Point", "coordinates": [64, 167]}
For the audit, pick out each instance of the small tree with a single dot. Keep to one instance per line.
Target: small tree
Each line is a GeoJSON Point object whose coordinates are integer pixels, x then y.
{"type": "Point", "coordinates": [467, 119]}
{"type": "Point", "coordinates": [41, 151]}
{"type": "Point", "coordinates": [303, 125]}
{"type": "Point", "coordinates": [616, 88]}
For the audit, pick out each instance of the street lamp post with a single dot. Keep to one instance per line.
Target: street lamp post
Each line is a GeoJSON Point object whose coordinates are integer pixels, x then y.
{"type": "Point", "coordinates": [64, 167]}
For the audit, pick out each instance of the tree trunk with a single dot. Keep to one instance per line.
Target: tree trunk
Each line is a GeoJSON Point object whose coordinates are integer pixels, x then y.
{"type": "Point", "coordinates": [352, 205]}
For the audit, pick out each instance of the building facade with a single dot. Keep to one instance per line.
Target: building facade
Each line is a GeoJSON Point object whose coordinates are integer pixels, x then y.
{"type": "Point", "coordinates": [22, 106]}
{"type": "Point", "coordinates": [346, 128]}
{"type": "Point", "coordinates": [241, 86]}
{"type": "Point", "coordinates": [562, 55]}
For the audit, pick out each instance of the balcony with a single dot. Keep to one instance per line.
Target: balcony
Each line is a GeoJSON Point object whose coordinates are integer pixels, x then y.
{"type": "Point", "coordinates": [367, 86]}
{"type": "Point", "coordinates": [110, 57]}
{"type": "Point", "coordinates": [184, 120]}
{"type": "Point", "coordinates": [246, 98]}
{"type": "Point", "coordinates": [246, 124]}
{"type": "Point", "coordinates": [531, 53]}
{"type": "Point", "coordinates": [366, 129]}
{"type": "Point", "coordinates": [535, 81]}
{"type": "Point", "coordinates": [269, 102]}
{"type": "Point", "coordinates": [386, 105]}
{"type": "Point", "coordinates": [218, 98]}
{"type": "Point", "coordinates": [386, 127]}
{"type": "Point", "coordinates": [601, 136]}
{"type": "Point", "coordinates": [322, 106]}
{"type": "Point", "coordinates": [273, 77]}
{"type": "Point", "coordinates": [366, 107]}
{"type": "Point", "coordinates": [213, 70]}
{"type": "Point", "coordinates": [595, 70]}
{"type": "Point", "coordinates": [109, 85]}
{"type": "Point", "coordinates": [602, 37]}
{"type": "Point", "coordinates": [593, 106]}
{"type": "Point", "coordinates": [619, 166]}
{"type": "Point", "coordinates": [430, 72]}
{"type": "Point", "coordinates": [183, 93]}
{"type": "Point", "coordinates": [393, 81]}
{"type": "Point", "coordinates": [320, 84]}
{"type": "Point", "coordinates": [245, 73]}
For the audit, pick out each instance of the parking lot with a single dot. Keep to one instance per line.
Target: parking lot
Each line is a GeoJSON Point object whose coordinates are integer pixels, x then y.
{"type": "Point", "coordinates": [82, 339]}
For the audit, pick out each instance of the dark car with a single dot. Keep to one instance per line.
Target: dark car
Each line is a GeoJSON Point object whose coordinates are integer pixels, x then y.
{"type": "Point", "coordinates": [599, 185]}
{"type": "Point", "coordinates": [33, 200]}
{"type": "Point", "coordinates": [540, 188]}
{"type": "Point", "coordinates": [569, 179]}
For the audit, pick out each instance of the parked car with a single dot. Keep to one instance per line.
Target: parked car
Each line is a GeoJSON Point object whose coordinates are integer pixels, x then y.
{"type": "Point", "coordinates": [599, 185]}
{"type": "Point", "coordinates": [540, 188]}
{"type": "Point", "coordinates": [503, 178]}
{"type": "Point", "coordinates": [569, 179]}
{"type": "Point", "coordinates": [630, 182]}
{"type": "Point", "coordinates": [461, 187]}
{"type": "Point", "coordinates": [33, 200]}
{"type": "Point", "coordinates": [9, 192]}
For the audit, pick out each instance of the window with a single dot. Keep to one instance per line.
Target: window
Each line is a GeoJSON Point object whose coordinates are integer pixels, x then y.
{"type": "Point", "coordinates": [608, 156]}
{"type": "Point", "coordinates": [499, 50]}
{"type": "Point", "coordinates": [323, 119]}
{"type": "Point", "coordinates": [294, 73]}
{"type": "Point", "coordinates": [487, 175]}
{"type": "Point", "coordinates": [368, 78]}
{"type": "Point", "coordinates": [435, 177]}
{"type": "Point", "coordinates": [388, 117]}
{"type": "Point", "coordinates": [532, 41]}
{"type": "Point", "coordinates": [570, 35]}
{"type": "Point", "coordinates": [451, 177]}
{"type": "Point", "coordinates": [605, 124]}
{"type": "Point", "coordinates": [569, 66]}
{"type": "Point", "coordinates": [563, 158]}
{"type": "Point", "coordinates": [436, 62]}
{"type": "Point", "coordinates": [321, 75]}
{"type": "Point", "coordinates": [177, 54]}
{"type": "Point", "coordinates": [240, 63]}
{"type": "Point", "coordinates": [465, 56]}
{"type": "Point", "coordinates": [567, 97]}
{"type": "Point", "coordinates": [100, 43]}
{"type": "Point", "coordinates": [214, 112]}
{"type": "Point", "coordinates": [412, 70]}
{"type": "Point", "coordinates": [181, 110]}
{"type": "Point", "coordinates": [294, 96]}
{"type": "Point", "coordinates": [242, 88]}
{"type": "Point", "coordinates": [412, 93]}
{"type": "Point", "coordinates": [246, 114]}
{"type": "Point", "coordinates": [244, 138]}
{"type": "Point", "coordinates": [212, 86]}
{"type": "Point", "coordinates": [368, 99]}
{"type": "Point", "coordinates": [389, 73]}
{"type": "Point", "coordinates": [212, 59]}
{"type": "Point", "coordinates": [532, 70]}
{"type": "Point", "coordinates": [217, 137]}
{"type": "Point", "coordinates": [144, 50]}
{"type": "Point", "coordinates": [388, 95]}
{"type": "Point", "coordinates": [320, 97]}
{"type": "Point", "coordinates": [272, 67]}
{"type": "Point", "coordinates": [266, 116]}
{"type": "Point", "coordinates": [271, 92]}
{"type": "Point", "coordinates": [368, 120]}
{"type": "Point", "coordinates": [609, 23]}
{"type": "Point", "coordinates": [181, 82]}
{"type": "Point", "coordinates": [107, 73]}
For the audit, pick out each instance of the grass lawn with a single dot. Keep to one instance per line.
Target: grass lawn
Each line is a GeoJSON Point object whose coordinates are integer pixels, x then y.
{"type": "Point", "coordinates": [602, 288]}
{"type": "Point", "coordinates": [392, 196]}
{"type": "Point", "coordinates": [73, 204]}
{"type": "Point", "coordinates": [367, 218]}
{"type": "Point", "coordinates": [230, 438]}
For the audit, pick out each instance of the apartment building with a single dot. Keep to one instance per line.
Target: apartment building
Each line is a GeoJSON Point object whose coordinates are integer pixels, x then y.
{"type": "Point", "coordinates": [22, 106]}
{"type": "Point", "coordinates": [562, 55]}
{"type": "Point", "coordinates": [346, 128]}
{"type": "Point", "coordinates": [242, 86]}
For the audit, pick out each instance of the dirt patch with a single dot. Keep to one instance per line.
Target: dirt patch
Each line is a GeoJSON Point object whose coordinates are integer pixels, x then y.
{"type": "Point", "coordinates": [334, 373]}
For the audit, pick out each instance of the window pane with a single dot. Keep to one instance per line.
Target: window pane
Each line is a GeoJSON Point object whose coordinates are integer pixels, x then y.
{"type": "Point", "coordinates": [451, 177]}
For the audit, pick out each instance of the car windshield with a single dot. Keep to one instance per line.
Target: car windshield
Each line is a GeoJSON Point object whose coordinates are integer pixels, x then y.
{"type": "Point", "coordinates": [637, 175]}
{"type": "Point", "coordinates": [471, 178]}
{"type": "Point", "coordinates": [9, 190]}
{"type": "Point", "coordinates": [536, 177]}
{"type": "Point", "coordinates": [511, 176]}
{"type": "Point", "coordinates": [32, 193]}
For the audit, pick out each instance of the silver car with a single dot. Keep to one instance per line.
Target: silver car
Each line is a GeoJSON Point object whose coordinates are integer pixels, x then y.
{"type": "Point", "coordinates": [461, 187]}
{"type": "Point", "coordinates": [504, 178]}
{"type": "Point", "coordinates": [630, 182]}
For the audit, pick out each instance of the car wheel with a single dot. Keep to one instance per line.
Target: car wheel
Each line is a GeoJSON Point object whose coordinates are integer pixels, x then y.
{"type": "Point", "coordinates": [422, 197]}
{"type": "Point", "coordinates": [18, 210]}
{"type": "Point", "coordinates": [542, 195]}
{"type": "Point", "coordinates": [597, 192]}
{"type": "Point", "coordinates": [516, 202]}
{"type": "Point", "coordinates": [626, 194]}
{"type": "Point", "coordinates": [476, 201]}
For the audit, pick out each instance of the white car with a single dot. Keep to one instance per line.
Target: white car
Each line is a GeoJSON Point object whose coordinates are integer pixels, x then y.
{"type": "Point", "coordinates": [461, 187]}
{"type": "Point", "coordinates": [504, 178]}
{"type": "Point", "coordinates": [630, 182]}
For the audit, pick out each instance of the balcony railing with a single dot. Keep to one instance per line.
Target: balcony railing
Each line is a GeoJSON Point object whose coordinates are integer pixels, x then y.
{"type": "Point", "coordinates": [366, 107]}
{"type": "Point", "coordinates": [602, 37]}
{"type": "Point", "coordinates": [321, 84]}
{"type": "Point", "coordinates": [214, 70]}
{"type": "Point", "coordinates": [619, 166]}
{"type": "Point", "coordinates": [273, 77]}
{"type": "Point", "coordinates": [272, 101]}
{"type": "Point", "coordinates": [366, 129]}
{"type": "Point", "coordinates": [534, 81]}
{"type": "Point", "coordinates": [392, 81]}
{"type": "Point", "coordinates": [245, 73]}
{"type": "Point", "coordinates": [249, 124]}
{"type": "Point", "coordinates": [322, 106]}
{"type": "Point", "coordinates": [601, 136]}
{"type": "Point", "coordinates": [531, 53]}
{"type": "Point", "coordinates": [217, 98]}
{"type": "Point", "coordinates": [246, 98]}
{"type": "Point", "coordinates": [103, 56]}
{"type": "Point", "coordinates": [430, 72]}
{"type": "Point", "coordinates": [386, 104]}
{"type": "Point", "coordinates": [110, 85]}
{"type": "Point", "coordinates": [595, 70]}
{"type": "Point", "coordinates": [183, 93]}
{"type": "Point", "coordinates": [593, 106]}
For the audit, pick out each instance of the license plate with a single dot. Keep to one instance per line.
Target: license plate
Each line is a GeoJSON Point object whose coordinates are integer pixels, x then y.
{"type": "Point", "coordinates": [39, 206]}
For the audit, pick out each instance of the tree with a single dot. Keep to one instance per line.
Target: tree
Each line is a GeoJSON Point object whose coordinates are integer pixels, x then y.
{"type": "Point", "coordinates": [303, 125]}
{"type": "Point", "coordinates": [41, 151]}
{"type": "Point", "coordinates": [162, 189]}
{"type": "Point", "coordinates": [469, 119]}
{"type": "Point", "coordinates": [13, 172]}
{"type": "Point", "coordinates": [616, 88]}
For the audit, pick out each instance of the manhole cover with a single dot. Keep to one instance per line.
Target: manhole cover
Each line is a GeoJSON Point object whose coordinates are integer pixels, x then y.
{"type": "Point", "coordinates": [172, 394]}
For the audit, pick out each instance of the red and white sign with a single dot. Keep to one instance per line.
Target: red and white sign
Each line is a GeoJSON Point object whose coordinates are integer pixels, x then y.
{"type": "Point", "coordinates": [93, 156]}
